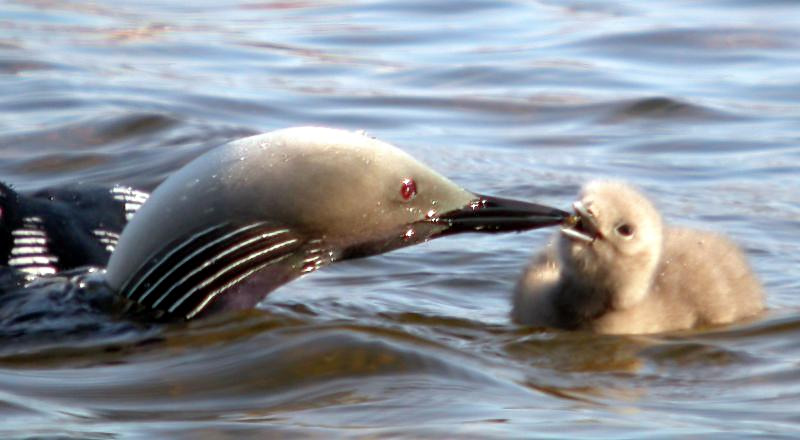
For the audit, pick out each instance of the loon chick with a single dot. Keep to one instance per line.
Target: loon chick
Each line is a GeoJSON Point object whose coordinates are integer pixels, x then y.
{"type": "Point", "coordinates": [619, 270]}
{"type": "Point", "coordinates": [253, 214]}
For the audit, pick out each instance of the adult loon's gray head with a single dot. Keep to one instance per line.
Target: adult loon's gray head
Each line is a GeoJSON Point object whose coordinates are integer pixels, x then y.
{"type": "Point", "coordinates": [253, 214]}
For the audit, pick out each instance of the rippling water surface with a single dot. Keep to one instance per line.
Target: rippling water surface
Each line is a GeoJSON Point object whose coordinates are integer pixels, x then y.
{"type": "Point", "coordinates": [696, 102]}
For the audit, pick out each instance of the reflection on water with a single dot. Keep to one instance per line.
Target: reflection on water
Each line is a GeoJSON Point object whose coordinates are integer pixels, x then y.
{"type": "Point", "coordinates": [695, 102]}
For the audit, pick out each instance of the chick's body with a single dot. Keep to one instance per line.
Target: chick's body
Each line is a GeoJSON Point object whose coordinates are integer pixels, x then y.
{"type": "Point", "coordinates": [622, 271]}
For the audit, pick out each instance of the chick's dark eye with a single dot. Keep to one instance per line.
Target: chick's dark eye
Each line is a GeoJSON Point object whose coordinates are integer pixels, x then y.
{"type": "Point", "coordinates": [408, 189]}
{"type": "Point", "coordinates": [625, 230]}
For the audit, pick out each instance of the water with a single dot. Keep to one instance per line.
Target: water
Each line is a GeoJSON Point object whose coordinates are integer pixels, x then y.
{"type": "Point", "coordinates": [696, 102]}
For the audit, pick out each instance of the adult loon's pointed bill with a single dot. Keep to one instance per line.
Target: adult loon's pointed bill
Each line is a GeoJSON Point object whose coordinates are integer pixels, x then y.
{"type": "Point", "coordinates": [253, 214]}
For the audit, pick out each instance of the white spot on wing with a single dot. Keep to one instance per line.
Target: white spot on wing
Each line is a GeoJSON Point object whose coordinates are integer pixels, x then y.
{"type": "Point", "coordinates": [108, 238]}
{"type": "Point", "coordinates": [22, 240]}
{"type": "Point", "coordinates": [27, 233]}
{"type": "Point", "coordinates": [30, 260]}
{"type": "Point", "coordinates": [30, 252]}
{"type": "Point", "coordinates": [131, 198]}
{"type": "Point", "coordinates": [26, 250]}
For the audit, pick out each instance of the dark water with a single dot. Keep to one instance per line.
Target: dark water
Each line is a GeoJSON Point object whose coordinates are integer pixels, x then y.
{"type": "Point", "coordinates": [696, 102]}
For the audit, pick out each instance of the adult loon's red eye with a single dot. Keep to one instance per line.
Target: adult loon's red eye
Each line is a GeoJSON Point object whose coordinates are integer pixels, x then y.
{"type": "Point", "coordinates": [408, 189]}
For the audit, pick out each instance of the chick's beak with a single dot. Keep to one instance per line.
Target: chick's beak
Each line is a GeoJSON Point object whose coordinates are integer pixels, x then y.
{"type": "Point", "coordinates": [582, 226]}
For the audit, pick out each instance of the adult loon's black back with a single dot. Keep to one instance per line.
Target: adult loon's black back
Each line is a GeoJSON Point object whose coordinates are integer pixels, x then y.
{"type": "Point", "coordinates": [59, 229]}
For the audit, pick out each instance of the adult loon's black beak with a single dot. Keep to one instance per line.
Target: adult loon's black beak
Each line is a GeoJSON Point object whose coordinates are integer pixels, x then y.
{"type": "Point", "coordinates": [495, 214]}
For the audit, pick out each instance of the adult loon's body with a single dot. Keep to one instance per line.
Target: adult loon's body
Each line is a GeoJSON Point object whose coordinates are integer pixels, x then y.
{"type": "Point", "coordinates": [248, 216]}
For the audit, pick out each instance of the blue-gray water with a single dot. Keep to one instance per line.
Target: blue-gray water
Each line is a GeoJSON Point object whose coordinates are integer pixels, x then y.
{"type": "Point", "coordinates": [696, 102]}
